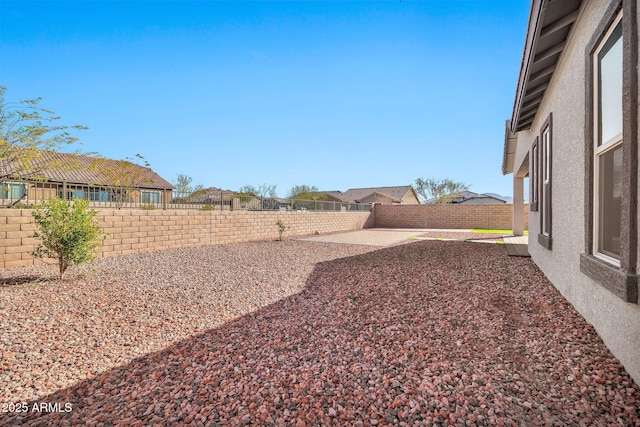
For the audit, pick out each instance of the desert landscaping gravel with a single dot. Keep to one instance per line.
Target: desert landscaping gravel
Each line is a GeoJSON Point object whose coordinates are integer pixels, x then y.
{"type": "Point", "coordinates": [304, 333]}
{"type": "Point", "coordinates": [461, 235]}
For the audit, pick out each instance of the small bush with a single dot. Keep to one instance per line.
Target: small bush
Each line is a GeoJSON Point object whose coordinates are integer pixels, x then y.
{"type": "Point", "coordinates": [148, 207]}
{"type": "Point", "coordinates": [207, 208]}
{"type": "Point", "coordinates": [67, 232]}
{"type": "Point", "coordinates": [282, 227]}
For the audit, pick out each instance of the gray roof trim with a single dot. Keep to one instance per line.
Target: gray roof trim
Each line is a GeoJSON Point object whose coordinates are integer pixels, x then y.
{"type": "Point", "coordinates": [550, 24]}
{"type": "Point", "coordinates": [509, 152]}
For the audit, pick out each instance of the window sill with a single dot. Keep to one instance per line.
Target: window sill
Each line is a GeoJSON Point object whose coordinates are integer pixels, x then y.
{"type": "Point", "coordinates": [622, 284]}
{"type": "Point", "coordinates": [545, 241]}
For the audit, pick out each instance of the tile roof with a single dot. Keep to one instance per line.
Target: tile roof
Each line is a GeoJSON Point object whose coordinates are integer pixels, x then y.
{"type": "Point", "coordinates": [396, 193]}
{"type": "Point", "coordinates": [337, 195]}
{"type": "Point", "coordinates": [80, 169]}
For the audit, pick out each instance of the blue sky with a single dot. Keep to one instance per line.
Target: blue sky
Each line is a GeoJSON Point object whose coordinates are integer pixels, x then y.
{"type": "Point", "coordinates": [336, 94]}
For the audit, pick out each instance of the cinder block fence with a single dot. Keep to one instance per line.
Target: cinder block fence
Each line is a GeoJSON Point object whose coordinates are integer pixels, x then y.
{"type": "Point", "coordinates": [136, 230]}
{"type": "Point", "coordinates": [489, 216]}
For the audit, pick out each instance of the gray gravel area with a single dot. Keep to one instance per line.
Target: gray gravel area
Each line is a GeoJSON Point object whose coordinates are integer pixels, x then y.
{"type": "Point", "coordinates": [306, 333]}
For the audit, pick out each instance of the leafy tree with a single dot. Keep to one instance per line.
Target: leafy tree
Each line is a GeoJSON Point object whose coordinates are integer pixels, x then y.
{"type": "Point", "coordinates": [297, 190]}
{"type": "Point", "coordinates": [123, 176]}
{"type": "Point", "coordinates": [267, 190]}
{"type": "Point", "coordinates": [262, 190]}
{"type": "Point", "coordinates": [183, 185]}
{"type": "Point", "coordinates": [247, 192]}
{"type": "Point", "coordinates": [26, 128]}
{"type": "Point", "coordinates": [248, 189]}
{"type": "Point", "coordinates": [67, 232]}
{"type": "Point", "coordinates": [306, 192]}
{"type": "Point", "coordinates": [184, 190]}
{"type": "Point", "coordinates": [439, 191]}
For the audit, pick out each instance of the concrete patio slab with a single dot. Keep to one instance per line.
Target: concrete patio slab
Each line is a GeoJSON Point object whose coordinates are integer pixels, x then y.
{"type": "Point", "coordinates": [371, 237]}
{"type": "Point", "coordinates": [517, 245]}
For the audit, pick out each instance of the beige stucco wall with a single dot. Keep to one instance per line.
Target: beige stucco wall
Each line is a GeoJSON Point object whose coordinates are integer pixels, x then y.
{"type": "Point", "coordinates": [410, 199]}
{"type": "Point", "coordinates": [617, 322]}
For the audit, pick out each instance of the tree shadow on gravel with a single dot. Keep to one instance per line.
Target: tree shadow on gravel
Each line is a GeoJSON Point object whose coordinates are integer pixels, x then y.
{"type": "Point", "coordinates": [20, 280]}
{"type": "Point", "coordinates": [422, 333]}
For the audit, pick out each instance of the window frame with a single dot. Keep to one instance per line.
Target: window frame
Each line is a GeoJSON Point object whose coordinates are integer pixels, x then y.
{"type": "Point", "coordinates": [545, 183]}
{"type": "Point", "coordinates": [150, 193]}
{"type": "Point", "coordinates": [8, 190]}
{"type": "Point", "coordinates": [534, 185]}
{"type": "Point", "coordinates": [601, 148]}
{"type": "Point", "coordinates": [619, 278]}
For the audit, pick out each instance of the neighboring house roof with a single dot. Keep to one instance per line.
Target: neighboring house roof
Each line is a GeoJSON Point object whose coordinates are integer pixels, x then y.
{"type": "Point", "coordinates": [208, 194]}
{"type": "Point", "coordinates": [78, 169]}
{"type": "Point", "coordinates": [506, 199]}
{"type": "Point", "coordinates": [336, 196]}
{"type": "Point", "coordinates": [470, 197]}
{"type": "Point", "coordinates": [377, 197]}
{"type": "Point", "coordinates": [394, 193]}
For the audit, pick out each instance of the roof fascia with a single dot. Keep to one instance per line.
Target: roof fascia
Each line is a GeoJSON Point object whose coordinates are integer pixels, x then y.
{"type": "Point", "coordinates": [533, 32]}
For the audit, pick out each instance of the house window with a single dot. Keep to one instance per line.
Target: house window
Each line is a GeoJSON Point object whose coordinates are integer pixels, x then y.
{"type": "Point", "coordinates": [611, 147]}
{"type": "Point", "coordinates": [150, 197]}
{"type": "Point", "coordinates": [544, 182]}
{"type": "Point", "coordinates": [534, 184]}
{"type": "Point", "coordinates": [608, 145]}
{"type": "Point", "coordinates": [12, 191]}
{"type": "Point", "coordinates": [98, 195]}
{"type": "Point", "coordinates": [71, 193]}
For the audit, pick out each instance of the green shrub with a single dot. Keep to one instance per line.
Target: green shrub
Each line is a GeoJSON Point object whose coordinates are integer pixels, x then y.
{"type": "Point", "coordinates": [282, 227]}
{"type": "Point", "coordinates": [148, 207]}
{"type": "Point", "coordinates": [67, 232]}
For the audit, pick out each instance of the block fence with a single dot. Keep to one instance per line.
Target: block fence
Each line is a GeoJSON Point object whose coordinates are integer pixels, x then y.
{"type": "Point", "coordinates": [136, 230]}
{"type": "Point", "coordinates": [448, 216]}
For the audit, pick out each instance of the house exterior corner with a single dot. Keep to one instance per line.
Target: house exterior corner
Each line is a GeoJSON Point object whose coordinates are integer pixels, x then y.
{"type": "Point", "coordinates": [583, 193]}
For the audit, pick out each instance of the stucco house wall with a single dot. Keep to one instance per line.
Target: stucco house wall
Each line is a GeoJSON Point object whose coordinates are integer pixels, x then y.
{"type": "Point", "coordinates": [617, 321]}
{"type": "Point", "coordinates": [410, 198]}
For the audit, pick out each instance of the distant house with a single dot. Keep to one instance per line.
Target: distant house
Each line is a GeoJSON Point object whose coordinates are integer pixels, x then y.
{"type": "Point", "coordinates": [69, 176]}
{"type": "Point", "coordinates": [471, 198]}
{"type": "Point", "coordinates": [212, 196]}
{"type": "Point", "coordinates": [401, 195]}
{"type": "Point", "coordinates": [574, 133]}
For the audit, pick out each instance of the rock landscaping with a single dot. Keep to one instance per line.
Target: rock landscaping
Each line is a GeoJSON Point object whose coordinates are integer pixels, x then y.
{"type": "Point", "coordinates": [304, 333]}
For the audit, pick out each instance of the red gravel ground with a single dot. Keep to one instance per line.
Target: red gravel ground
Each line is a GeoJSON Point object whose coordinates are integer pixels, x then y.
{"type": "Point", "coordinates": [461, 235]}
{"type": "Point", "coordinates": [427, 333]}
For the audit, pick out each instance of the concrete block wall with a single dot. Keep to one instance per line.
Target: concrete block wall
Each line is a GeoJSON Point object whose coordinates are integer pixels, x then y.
{"type": "Point", "coordinates": [135, 230]}
{"type": "Point", "coordinates": [448, 216]}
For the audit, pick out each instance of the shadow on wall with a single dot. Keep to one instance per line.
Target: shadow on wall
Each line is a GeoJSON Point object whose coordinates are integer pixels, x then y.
{"type": "Point", "coordinates": [410, 333]}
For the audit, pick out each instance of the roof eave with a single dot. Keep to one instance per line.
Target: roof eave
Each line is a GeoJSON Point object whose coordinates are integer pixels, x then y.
{"type": "Point", "coordinates": [533, 30]}
{"type": "Point", "coordinates": [548, 32]}
{"type": "Point", "coordinates": [509, 152]}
